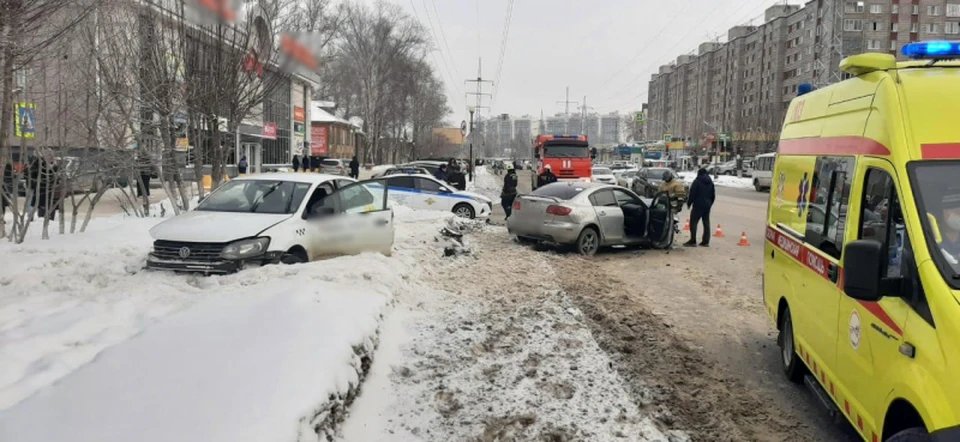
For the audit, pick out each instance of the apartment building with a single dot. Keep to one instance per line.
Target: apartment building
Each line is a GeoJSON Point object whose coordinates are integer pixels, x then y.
{"type": "Point", "coordinates": [609, 130]}
{"type": "Point", "coordinates": [743, 86]}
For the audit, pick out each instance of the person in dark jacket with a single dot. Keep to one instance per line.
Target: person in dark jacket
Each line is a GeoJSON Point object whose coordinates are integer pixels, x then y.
{"type": "Point", "coordinates": [547, 177]}
{"type": "Point", "coordinates": [242, 165]}
{"type": "Point", "coordinates": [441, 173]}
{"type": "Point", "coordinates": [456, 178]}
{"type": "Point", "coordinates": [305, 163]}
{"type": "Point", "coordinates": [296, 163]}
{"type": "Point", "coordinates": [701, 198]}
{"type": "Point", "coordinates": [354, 168]}
{"type": "Point", "coordinates": [509, 192]}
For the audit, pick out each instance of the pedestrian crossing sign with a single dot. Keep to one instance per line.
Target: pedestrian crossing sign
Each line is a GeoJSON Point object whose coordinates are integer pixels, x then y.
{"type": "Point", "coordinates": [24, 120]}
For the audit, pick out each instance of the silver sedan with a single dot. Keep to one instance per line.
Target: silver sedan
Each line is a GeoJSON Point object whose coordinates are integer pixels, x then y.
{"type": "Point", "coordinates": [588, 216]}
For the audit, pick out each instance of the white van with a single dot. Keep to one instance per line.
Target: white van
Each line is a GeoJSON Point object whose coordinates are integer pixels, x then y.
{"type": "Point", "coordinates": [763, 171]}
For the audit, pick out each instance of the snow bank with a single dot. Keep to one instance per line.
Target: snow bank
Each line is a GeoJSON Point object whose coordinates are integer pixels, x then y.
{"type": "Point", "coordinates": [486, 183]}
{"type": "Point", "coordinates": [110, 352]}
{"type": "Point", "coordinates": [722, 180]}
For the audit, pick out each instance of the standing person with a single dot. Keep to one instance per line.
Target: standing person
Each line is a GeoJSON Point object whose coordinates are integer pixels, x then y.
{"type": "Point", "coordinates": [547, 177]}
{"type": "Point", "coordinates": [509, 192]}
{"type": "Point", "coordinates": [305, 164]}
{"type": "Point", "coordinates": [702, 196]}
{"type": "Point", "coordinates": [355, 168]}
{"type": "Point", "coordinates": [242, 165]}
{"type": "Point", "coordinates": [441, 173]}
{"type": "Point", "coordinates": [457, 179]}
{"type": "Point", "coordinates": [146, 171]}
{"type": "Point", "coordinates": [296, 163]}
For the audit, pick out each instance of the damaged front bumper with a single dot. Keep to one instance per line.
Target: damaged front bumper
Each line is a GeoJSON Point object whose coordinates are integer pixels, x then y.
{"type": "Point", "coordinates": [214, 267]}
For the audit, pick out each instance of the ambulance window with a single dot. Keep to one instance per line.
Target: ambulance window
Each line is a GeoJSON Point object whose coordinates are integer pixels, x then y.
{"type": "Point", "coordinates": [827, 208]}
{"type": "Point", "coordinates": [881, 219]}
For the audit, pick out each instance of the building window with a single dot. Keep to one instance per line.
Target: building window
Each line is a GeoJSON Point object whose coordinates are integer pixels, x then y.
{"type": "Point", "coordinates": [895, 9]}
{"type": "Point", "coordinates": [853, 25]}
{"type": "Point", "coordinates": [894, 27]}
{"type": "Point", "coordinates": [854, 7]}
{"type": "Point", "coordinates": [953, 10]}
{"type": "Point", "coordinates": [893, 45]}
{"type": "Point", "coordinates": [914, 27]}
{"type": "Point", "coordinates": [931, 28]}
{"type": "Point", "coordinates": [876, 9]}
{"type": "Point", "coordinates": [873, 45]}
{"type": "Point", "coordinates": [951, 27]}
{"type": "Point", "coordinates": [933, 10]}
{"type": "Point", "coordinates": [916, 10]}
{"type": "Point", "coordinates": [877, 26]}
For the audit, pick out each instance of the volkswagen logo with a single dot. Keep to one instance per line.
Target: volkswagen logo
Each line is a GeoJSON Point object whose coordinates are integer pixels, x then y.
{"type": "Point", "coordinates": [184, 252]}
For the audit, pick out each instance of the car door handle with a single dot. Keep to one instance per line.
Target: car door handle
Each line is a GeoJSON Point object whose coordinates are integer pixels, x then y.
{"type": "Point", "coordinates": [382, 222]}
{"type": "Point", "coordinates": [833, 271]}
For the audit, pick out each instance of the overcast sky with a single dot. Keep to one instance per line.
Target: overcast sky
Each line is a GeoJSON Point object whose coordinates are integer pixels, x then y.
{"type": "Point", "coordinates": [604, 49]}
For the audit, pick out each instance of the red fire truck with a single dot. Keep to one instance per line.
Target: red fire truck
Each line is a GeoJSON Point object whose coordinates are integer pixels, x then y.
{"type": "Point", "coordinates": [569, 157]}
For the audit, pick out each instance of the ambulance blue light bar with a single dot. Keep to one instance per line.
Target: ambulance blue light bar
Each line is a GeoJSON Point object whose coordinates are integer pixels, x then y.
{"type": "Point", "coordinates": [932, 50]}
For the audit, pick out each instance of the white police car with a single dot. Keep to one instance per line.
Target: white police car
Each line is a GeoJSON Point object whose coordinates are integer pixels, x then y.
{"type": "Point", "coordinates": [428, 193]}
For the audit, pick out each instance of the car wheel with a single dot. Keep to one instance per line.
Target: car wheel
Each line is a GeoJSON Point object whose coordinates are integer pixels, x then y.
{"type": "Point", "coordinates": [792, 367]}
{"type": "Point", "coordinates": [756, 185]}
{"type": "Point", "coordinates": [911, 435]}
{"type": "Point", "coordinates": [589, 242]}
{"type": "Point", "coordinates": [463, 210]}
{"type": "Point", "coordinates": [294, 256]}
{"type": "Point", "coordinates": [525, 240]}
{"type": "Point", "coordinates": [727, 172]}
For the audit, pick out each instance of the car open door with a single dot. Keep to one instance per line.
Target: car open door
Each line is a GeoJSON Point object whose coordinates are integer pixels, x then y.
{"type": "Point", "coordinates": [660, 221]}
{"type": "Point", "coordinates": [609, 214]}
{"type": "Point", "coordinates": [363, 206]}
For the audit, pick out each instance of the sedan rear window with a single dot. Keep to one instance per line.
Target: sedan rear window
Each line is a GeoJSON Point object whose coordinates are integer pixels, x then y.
{"type": "Point", "coordinates": [563, 191]}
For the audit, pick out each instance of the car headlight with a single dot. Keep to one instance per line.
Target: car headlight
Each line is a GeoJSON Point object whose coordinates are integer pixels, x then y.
{"type": "Point", "coordinates": [245, 248]}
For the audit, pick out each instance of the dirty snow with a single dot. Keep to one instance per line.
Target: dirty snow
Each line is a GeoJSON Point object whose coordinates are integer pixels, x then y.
{"type": "Point", "coordinates": [722, 180]}
{"type": "Point", "coordinates": [496, 352]}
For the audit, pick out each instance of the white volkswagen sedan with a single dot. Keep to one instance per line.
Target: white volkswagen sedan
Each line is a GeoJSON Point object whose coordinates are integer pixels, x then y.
{"type": "Point", "coordinates": [275, 218]}
{"type": "Point", "coordinates": [424, 192]}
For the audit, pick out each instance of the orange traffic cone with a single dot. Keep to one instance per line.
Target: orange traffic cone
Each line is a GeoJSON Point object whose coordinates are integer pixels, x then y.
{"type": "Point", "coordinates": [719, 232]}
{"type": "Point", "coordinates": [686, 227]}
{"type": "Point", "coordinates": [743, 239]}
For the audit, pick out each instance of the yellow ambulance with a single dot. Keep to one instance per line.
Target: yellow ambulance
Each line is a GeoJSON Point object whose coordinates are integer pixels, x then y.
{"type": "Point", "coordinates": [862, 250]}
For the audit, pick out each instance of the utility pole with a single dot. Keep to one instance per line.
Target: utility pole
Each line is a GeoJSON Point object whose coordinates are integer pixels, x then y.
{"type": "Point", "coordinates": [583, 116]}
{"type": "Point", "coordinates": [479, 95]}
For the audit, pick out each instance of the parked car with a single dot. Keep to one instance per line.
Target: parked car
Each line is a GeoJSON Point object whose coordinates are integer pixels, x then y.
{"type": "Point", "coordinates": [588, 216]}
{"type": "Point", "coordinates": [603, 175]}
{"type": "Point", "coordinates": [332, 166]}
{"type": "Point", "coordinates": [275, 218]}
{"type": "Point", "coordinates": [647, 182]}
{"type": "Point", "coordinates": [427, 193]}
{"type": "Point", "coordinates": [430, 165]}
{"type": "Point", "coordinates": [378, 171]}
{"type": "Point", "coordinates": [406, 170]}
{"type": "Point", "coordinates": [727, 168]}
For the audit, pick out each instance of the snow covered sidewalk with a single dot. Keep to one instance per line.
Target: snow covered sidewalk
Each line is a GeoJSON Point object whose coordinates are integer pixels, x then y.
{"type": "Point", "coordinates": [95, 349]}
{"type": "Point", "coordinates": [722, 180]}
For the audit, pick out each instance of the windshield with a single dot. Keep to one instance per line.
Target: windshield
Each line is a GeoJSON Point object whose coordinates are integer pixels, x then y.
{"type": "Point", "coordinates": [601, 171]}
{"type": "Point", "coordinates": [656, 174]}
{"type": "Point", "coordinates": [330, 162]}
{"type": "Point", "coordinates": [938, 201]}
{"type": "Point", "coordinates": [565, 151]}
{"type": "Point", "coordinates": [256, 196]}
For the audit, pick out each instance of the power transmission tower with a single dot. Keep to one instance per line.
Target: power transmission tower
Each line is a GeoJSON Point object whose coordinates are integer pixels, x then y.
{"type": "Point", "coordinates": [567, 103]}
{"type": "Point", "coordinates": [583, 116]}
{"type": "Point", "coordinates": [829, 47]}
{"type": "Point", "coordinates": [479, 94]}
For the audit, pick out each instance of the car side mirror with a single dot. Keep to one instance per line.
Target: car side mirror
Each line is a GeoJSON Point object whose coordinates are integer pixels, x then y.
{"type": "Point", "coordinates": [861, 275]}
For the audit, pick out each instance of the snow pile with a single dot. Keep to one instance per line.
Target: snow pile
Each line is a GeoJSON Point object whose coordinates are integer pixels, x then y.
{"type": "Point", "coordinates": [722, 180]}
{"type": "Point", "coordinates": [486, 183]}
{"type": "Point", "coordinates": [271, 353]}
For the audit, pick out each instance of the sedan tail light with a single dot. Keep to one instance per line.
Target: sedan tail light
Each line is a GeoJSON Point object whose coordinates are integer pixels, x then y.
{"type": "Point", "coordinates": [516, 204]}
{"type": "Point", "coordinates": [559, 210]}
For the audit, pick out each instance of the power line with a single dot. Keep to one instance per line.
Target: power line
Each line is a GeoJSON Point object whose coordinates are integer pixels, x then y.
{"type": "Point", "coordinates": [680, 40]}
{"type": "Point", "coordinates": [444, 35]}
{"type": "Point", "coordinates": [503, 50]}
{"type": "Point", "coordinates": [445, 66]}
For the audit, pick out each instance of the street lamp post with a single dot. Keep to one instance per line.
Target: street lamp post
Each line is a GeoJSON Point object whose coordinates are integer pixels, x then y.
{"type": "Point", "coordinates": [470, 166]}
